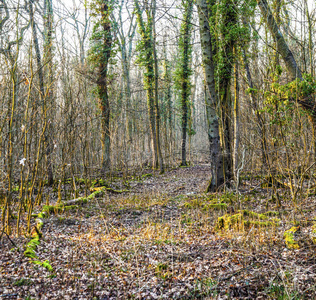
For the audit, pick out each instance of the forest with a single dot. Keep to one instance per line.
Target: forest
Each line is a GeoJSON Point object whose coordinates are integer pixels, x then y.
{"type": "Point", "coordinates": [157, 149]}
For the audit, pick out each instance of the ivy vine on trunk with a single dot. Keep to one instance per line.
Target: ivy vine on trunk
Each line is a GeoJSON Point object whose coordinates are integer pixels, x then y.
{"type": "Point", "coordinates": [100, 54]}
{"type": "Point", "coordinates": [184, 71]}
{"type": "Point", "coordinates": [146, 48]}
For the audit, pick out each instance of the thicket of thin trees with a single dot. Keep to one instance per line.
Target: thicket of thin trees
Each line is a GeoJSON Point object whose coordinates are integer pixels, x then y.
{"type": "Point", "coordinates": [88, 89]}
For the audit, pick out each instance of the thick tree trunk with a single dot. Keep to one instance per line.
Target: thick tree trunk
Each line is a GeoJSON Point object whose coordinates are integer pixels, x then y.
{"type": "Point", "coordinates": [229, 19]}
{"type": "Point", "coordinates": [210, 97]}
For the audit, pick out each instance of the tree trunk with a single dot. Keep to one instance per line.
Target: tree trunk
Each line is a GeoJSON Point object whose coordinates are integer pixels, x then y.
{"type": "Point", "coordinates": [254, 107]}
{"type": "Point", "coordinates": [184, 72]}
{"type": "Point", "coordinates": [103, 86]}
{"type": "Point", "coordinates": [282, 47]}
{"type": "Point", "coordinates": [146, 32]}
{"type": "Point", "coordinates": [49, 76]}
{"type": "Point", "coordinates": [228, 22]}
{"type": "Point", "coordinates": [211, 100]}
{"type": "Point", "coordinates": [307, 103]}
{"type": "Point", "coordinates": [167, 100]}
{"type": "Point", "coordinates": [236, 120]}
{"type": "Point", "coordinates": [40, 73]}
{"type": "Point", "coordinates": [157, 113]}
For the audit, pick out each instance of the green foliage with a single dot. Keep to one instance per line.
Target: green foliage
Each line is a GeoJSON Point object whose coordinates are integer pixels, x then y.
{"type": "Point", "coordinates": [278, 291]}
{"type": "Point", "coordinates": [281, 98]}
{"type": "Point", "coordinates": [31, 247]}
{"type": "Point", "coordinates": [162, 272]}
{"type": "Point", "coordinates": [295, 90]}
{"type": "Point", "coordinates": [102, 49]}
{"type": "Point", "coordinates": [195, 203]}
{"type": "Point", "coordinates": [99, 51]}
{"type": "Point", "coordinates": [252, 91]}
{"type": "Point", "coordinates": [191, 131]}
{"type": "Point", "coordinates": [271, 213]}
{"type": "Point", "coordinates": [145, 44]}
{"type": "Point", "coordinates": [45, 264]}
{"type": "Point", "coordinates": [183, 70]}
{"type": "Point", "coordinates": [146, 175]}
{"type": "Point", "coordinates": [30, 253]}
{"type": "Point", "coordinates": [42, 215]}
{"type": "Point", "coordinates": [99, 182]}
{"type": "Point", "coordinates": [145, 47]}
{"type": "Point", "coordinates": [229, 34]}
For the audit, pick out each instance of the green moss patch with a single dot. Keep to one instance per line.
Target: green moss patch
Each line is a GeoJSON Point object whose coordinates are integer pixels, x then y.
{"type": "Point", "coordinates": [22, 282]}
{"type": "Point", "coordinates": [45, 264]}
{"type": "Point", "coordinates": [146, 175]}
{"type": "Point", "coordinates": [207, 204]}
{"type": "Point", "coordinates": [56, 208]}
{"type": "Point", "coordinates": [31, 247]}
{"type": "Point", "coordinates": [215, 206]}
{"type": "Point", "coordinates": [271, 213]}
{"type": "Point", "coordinates": [290, 237]}
{"type": "Point", "coordinates": [195, 203]}
{"type": "Point", "coordinates": [244, 219]}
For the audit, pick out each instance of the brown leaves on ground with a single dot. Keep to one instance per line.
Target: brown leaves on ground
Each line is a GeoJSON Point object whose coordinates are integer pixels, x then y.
{"type": "Point", "coordinates": [151, 243]}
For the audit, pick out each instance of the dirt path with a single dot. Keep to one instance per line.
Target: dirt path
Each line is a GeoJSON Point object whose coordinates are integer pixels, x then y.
{"type": "Point", "coordinates": [175, 182]}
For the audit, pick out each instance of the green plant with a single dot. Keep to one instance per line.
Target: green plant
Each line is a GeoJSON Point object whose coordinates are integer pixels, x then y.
{"type": "Point", "coordinates": [162, 272]}
{"type": "Point", "coordinates": [22, 281]}
{"type": "Point", "coordinates": [205, 287]}
{"type": "Point", "coordinates": [279, 292]}
{"type": "Point", "coordinates": [290, 238]}
{"type": "Point", "coordinates": [45, 264]}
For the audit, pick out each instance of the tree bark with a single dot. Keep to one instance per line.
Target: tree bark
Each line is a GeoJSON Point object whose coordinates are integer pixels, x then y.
{"type": "Point", "coordinates": [308, 103]}
{"type": "Point", "coordinates": [157, 113]}
{"type": "Point", "coordinates": [228, 22]}
{"type": "Point", "coordinates": [47, 144]}
{"type": "Point", "coordinates": [184, 71]}
{"type": "Point", "coordinates": [103, 86]}
{"type": "Point", "coordinates": [282, 46]}
{"type": "Point", "coordinates": [146, 32]}
{"type": "Point", "coordinates": [49, 76]}
{"type": "Point", "coordinates": [211, 100]}
{"type": "Point", "coordinates": [236, 120]}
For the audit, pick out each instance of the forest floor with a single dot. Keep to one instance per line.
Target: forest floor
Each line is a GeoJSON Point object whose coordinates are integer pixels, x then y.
{"type": "Point", "coordinates": [162, 239]}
